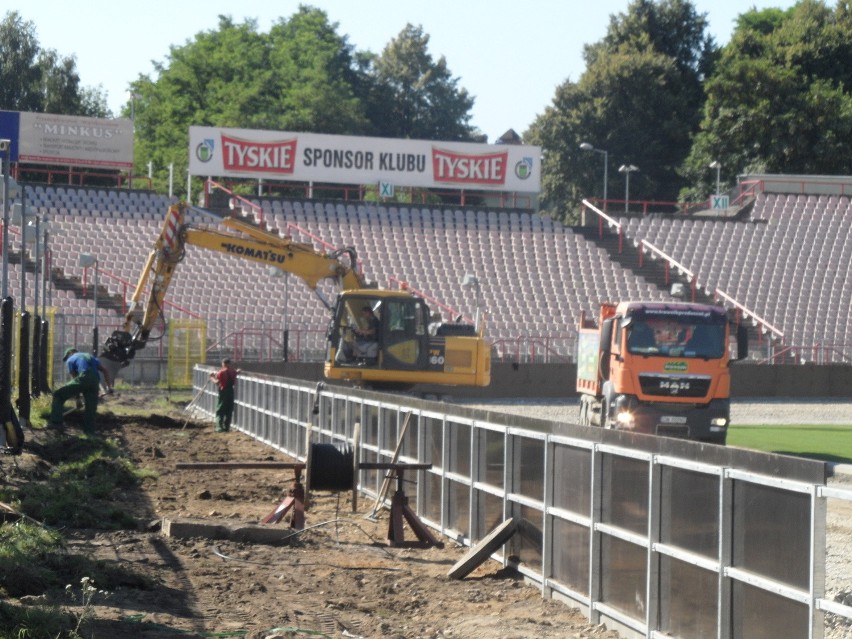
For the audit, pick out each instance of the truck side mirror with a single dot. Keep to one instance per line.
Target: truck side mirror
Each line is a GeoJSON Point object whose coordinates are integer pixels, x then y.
{"type": "Point", "coordinates": [605, 346]}
{"type": "Point", "coordinates": [742, 342]}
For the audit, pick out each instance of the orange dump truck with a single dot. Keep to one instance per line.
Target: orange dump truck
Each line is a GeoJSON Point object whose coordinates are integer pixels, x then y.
{"type": "Point", "coordinates": [658, 367]}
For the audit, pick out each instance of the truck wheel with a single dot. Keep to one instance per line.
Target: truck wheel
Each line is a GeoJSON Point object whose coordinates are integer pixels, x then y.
{"type": "Point", "coordinates": [584, 413]}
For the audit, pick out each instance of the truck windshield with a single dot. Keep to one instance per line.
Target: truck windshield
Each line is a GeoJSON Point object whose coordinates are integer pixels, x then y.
{"type": "Point", "coordinates": [676, 336]}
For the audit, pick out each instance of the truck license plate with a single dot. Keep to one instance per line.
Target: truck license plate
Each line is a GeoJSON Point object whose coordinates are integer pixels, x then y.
{"type": "Point", "coordinates": [672, 419]}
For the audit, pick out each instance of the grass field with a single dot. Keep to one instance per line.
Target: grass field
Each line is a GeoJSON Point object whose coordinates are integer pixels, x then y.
{"type": "Point", "coordinates": [825, 443]}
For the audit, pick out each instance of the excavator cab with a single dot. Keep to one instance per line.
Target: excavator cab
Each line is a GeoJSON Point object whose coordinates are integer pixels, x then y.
{"type": "Point", "coordinates": [370, 330]}
{"type": "Point", "coordinates": [405, 352]}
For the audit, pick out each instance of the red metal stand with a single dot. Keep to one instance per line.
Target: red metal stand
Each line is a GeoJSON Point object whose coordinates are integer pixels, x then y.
{"type": "Point", "coordinates": [295, 500]}
{"type": "Point", "coordinates": [400, 510]}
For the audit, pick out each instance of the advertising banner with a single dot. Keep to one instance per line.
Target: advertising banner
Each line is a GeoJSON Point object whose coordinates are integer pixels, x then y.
{"type": "Point", "coordinates": [75, 140]}
{"type": "Point", "coordinates": [340, 159]}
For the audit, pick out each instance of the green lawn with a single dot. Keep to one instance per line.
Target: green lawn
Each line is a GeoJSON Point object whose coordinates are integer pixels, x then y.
{"type": "Point", "coordinates": [826, 443]}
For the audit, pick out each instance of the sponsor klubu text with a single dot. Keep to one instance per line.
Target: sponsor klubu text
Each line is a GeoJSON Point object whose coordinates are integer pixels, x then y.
{"type": "Point", "coordinates": [269, 157]}
{"type": "Point", "coordinates": [364, 160]}
{"type": "Point", "coordinates": [459, 168]}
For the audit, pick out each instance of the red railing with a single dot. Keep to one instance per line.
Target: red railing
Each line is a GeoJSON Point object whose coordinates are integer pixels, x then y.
{"type": "Point", "coordinates": [404, 195]}
{"type": "Point", "coordinates": [124, 288]}
{"type": "Point", "coordinates": [534, 349]}
{"type": "Point", "coordinates": [235, 201]}
{"type": "Point", "coordinates": [78, 177]}
{"type": "Point", "coordinates": [797, 184]}
{"type": "Point", "coordinates": [449, 310]}
{"type": "Point", "coordinates": [670, 263]}
{"type": "Point", "coordinates": [271, 343]}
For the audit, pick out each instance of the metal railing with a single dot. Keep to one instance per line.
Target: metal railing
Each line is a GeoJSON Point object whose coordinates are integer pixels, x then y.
{"type": "Point", "coordinates": [656, 537]}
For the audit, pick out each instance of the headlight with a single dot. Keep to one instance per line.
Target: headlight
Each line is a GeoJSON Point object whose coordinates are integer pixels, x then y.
{"type": "Point", "coordinates": [719, 421]}
{"type": "Point", "coordinates": [624, 418]}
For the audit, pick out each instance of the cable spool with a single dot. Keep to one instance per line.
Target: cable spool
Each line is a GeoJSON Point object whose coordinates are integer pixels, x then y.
{"type": "Point", "coordinates": [331, 467]}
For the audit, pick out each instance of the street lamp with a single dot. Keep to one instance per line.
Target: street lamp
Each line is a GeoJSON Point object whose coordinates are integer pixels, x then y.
{"type": "Point", "coordinates": [585, 146]}
{"type": "Point", "coordinates": [9, 192]}
{"type": "Point", "coordinates": [34, 238]}
{"type": "Point", "coordinates": [627, 169]}
{"type": "Point", "coordinates": [133, 96]}
{"type": "Point", "coordinates": [277, 272]}
{"type": "Point", "coordinates": [47, 230]}
{"type": "Point", "coordinates": [86, 261]}
{"type": "Point", "coordinates": [19, 218]}
{"type": "Point", "coordinates": [715, 164]}
{"type": "Point", "coordinates": [471, 281]}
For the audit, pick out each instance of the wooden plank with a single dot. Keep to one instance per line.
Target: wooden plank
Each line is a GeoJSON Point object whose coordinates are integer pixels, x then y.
{"type": "Point", "coordinates": [484, 549]}
{"type": "Point", "coordinates": [237, 464]}
{"type": "Point", "coordinates": [383, 491]}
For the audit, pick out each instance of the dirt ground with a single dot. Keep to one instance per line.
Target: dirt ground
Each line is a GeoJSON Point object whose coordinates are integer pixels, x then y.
{"type": "Point", "coordinates": [337, 578]}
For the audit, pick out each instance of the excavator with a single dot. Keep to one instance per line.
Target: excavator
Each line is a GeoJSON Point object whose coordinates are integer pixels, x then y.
{"type": "Point", "coordinates": [377, 338]}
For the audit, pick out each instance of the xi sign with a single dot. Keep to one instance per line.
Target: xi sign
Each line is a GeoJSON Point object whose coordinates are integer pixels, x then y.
{"type": "Point", "coordinates": [720, 202]}
{"type": "Point", "coordinates": [385, 189]}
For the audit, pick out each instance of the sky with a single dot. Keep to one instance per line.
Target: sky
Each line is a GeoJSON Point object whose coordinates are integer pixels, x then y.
{"type": "Point", "coordinates": [510, 55]}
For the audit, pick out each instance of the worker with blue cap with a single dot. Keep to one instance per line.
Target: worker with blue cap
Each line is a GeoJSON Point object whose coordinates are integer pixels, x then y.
{"type": "Point", "coordinates": [85, 370]}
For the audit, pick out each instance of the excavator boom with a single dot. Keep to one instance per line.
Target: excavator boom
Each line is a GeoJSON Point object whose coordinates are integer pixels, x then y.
{"type": "Point", "coordinates": [260, 246]}
{"type": "Point", "coordinates": [402, 353]}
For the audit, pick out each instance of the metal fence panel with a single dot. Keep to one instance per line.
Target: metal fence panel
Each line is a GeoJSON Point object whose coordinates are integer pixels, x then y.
{"type": "Point", "coordinates": [655, 537]}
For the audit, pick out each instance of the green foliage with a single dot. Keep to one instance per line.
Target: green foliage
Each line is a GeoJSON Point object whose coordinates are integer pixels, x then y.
{"type": "Point", "coordinates": [825, 443]}
{"type": "Point", "coordinates": [80, 491]}
{"type": "Point", "coordinates": [86, 488]}
{"type": "Point", "coordinates": [31, 622]}
{"type": "Point", "coordinates": [40, 80]}
{"type": "Point", "coordinates": [24, 553]}
{"type": "Point", "coordinates": [417, 97]}
{"type": "Point", "coordinates": [639, 99]}
{"type": "Point", "coordinates": [780, 99]}
{"type": "Point", "coordinates": [35, 561]}
{"type": "Point", "coordinates": [301, 76]}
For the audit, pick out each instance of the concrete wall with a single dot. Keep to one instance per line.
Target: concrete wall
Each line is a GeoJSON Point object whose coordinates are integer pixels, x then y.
{"type": "Point", "coordinates": [557, 380]}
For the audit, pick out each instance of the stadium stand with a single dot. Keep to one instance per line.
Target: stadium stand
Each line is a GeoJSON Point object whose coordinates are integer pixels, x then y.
{"type": "Point", "coordinates": [789, 261]}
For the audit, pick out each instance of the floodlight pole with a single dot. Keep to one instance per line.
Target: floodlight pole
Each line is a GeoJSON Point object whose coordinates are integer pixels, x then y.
{"type": "Point", "coordinates": [627, 169]}
{"type": "Point", "coordinates": [586, 146]}
{"type": "Point", "coordinates": [86, 261]}
{"type": "Point", "coordinates": [4, 165]}
{"type": "Point", "coordinates": [715, 164]}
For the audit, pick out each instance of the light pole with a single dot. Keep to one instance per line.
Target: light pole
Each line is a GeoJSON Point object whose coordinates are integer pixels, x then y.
{"type": "Point", "coordinates": [36, 223]}
{"type": "Point", "coordinates": [45, 272]}
{"type": "Point", "coordinates": [19, 218]}
{"type": "Point", "coordinates": [277, 272]}
{"type": "Point", "coordinates": [585, 146]}
{"type": "Point", "coordinates": [471, 281]}
{"type": "Point", "coordinates": [86, 261]}
{"type": "Point", "coordinates": [715, 164]}
{"type": "Point", "coordinates": [627, 169]}
{"type": "Point", "coordinates": [133, 96]}
{"type": "Point", "coordinates": [10, 191]}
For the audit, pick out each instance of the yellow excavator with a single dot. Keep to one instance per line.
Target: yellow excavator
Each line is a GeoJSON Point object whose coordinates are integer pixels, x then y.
{"type": "Point", "coordinates": [376, 337]}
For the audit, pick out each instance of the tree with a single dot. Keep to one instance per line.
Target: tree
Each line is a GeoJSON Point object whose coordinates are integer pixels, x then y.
{"type": "Point", "coordinates": [640, 99]}
{"type": "Point", "coordinates": [301, 76]}
{"type": "Point", "coordinates": [314, 76]}
{"type": "Point", "coordinates": [781, 98]}
{"type": "Point", "coordinates": [416, 97]}
{"type": "Point", "coordinates": [37, 80]}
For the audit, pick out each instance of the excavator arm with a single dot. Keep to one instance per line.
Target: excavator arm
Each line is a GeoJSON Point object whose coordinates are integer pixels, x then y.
{"type": "Point", "coordinates": [247, 242]}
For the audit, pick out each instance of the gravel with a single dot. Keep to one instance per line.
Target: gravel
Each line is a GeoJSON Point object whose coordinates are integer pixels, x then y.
{"type": "Point", "coordinates": [750, 412]}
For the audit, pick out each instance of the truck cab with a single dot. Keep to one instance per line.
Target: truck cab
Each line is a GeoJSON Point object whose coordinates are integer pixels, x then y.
{"type": "Point", "coordinates": [659, 368]}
